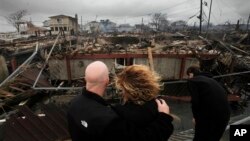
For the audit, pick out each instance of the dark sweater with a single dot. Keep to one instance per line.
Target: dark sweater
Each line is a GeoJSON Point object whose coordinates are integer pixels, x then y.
{"type": "Point", "coordinates": [210, 108]}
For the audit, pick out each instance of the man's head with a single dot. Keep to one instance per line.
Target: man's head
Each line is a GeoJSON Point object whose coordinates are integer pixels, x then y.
{"type": "Point", "coordinates": [138, 83]}
{"type": "Point", "coordinates": [97, 77]}
{"type": "Point", "coordinates": [193, 71]}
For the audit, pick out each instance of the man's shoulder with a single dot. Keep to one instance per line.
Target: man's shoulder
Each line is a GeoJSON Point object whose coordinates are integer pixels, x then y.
{"type": "Point", "coordinates": [89, 113]}
{"type": "Point", "coordinates": [200, 78]}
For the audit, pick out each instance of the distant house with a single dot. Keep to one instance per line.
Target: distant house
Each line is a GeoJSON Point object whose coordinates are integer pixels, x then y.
{"type": "Point", "coordinates": [139, 28]}
{"type": "Point", "coordinates": [125, 28]}
{"type": "Point", "coordinates": [34, 30]}
{"type": "Point", "coordinates": [106, 26]}
{"type": "Point", "coordinates": [46, 23]}
{"type": "Point", "coordinates": [91, 27]}
{"type": "Point", "coordinates": [66, 23]}
{"type": "Point", "coordinates": [27, 29]}
{"type": "Point", "coordinates": [178, 25]}
{"type": "Point", "coordinates": [230, 27]}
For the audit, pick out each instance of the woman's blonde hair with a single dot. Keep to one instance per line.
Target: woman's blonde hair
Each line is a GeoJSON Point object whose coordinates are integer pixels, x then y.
{"type": "Point", "coordinates": [138, 83]}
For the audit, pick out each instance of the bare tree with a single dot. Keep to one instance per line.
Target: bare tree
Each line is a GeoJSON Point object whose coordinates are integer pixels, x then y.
{"type": "Point", "coordinates": [16, 18]}
{"type": "Point", "coordinates": [159, 21]}
{"type": "Point", "coordinates": [164, 24]}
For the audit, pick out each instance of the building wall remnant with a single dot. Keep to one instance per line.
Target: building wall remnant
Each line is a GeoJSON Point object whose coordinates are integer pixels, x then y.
{"type": "Point", "coordinates": [58, 68]}
{"type": "Point", "coordinates": [170, 68]}
{"type": "Point", "coordinates": [3, 69]}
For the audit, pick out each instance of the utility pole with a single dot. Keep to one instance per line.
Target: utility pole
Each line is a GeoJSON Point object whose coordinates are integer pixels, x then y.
{"type": "Point", "coordinates": [141, 32]}
{"type": "Point", "coordinates": [201, 16]}
{"type": "Point", "coordinates": [248, 23]}
{"type": "Point", "coordinates": [248, 40]}
{"type": "Point", "coordinates": [141, 24]}
{"type": "Point", "coordinates": [209, 17]}
{"type": "Point", "coordinates": [96, 17]}
{"type": "Point", "coordinates": [81, 23]}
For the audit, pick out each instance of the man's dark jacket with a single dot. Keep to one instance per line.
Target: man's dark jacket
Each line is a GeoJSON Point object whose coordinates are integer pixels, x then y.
{"type": "Point", "coordinates": [90, 118]}
{"type": "Point", "coordinates": [210, 108]}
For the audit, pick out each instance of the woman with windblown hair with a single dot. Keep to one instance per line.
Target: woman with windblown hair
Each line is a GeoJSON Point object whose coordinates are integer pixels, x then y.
{"type": "Point", "coordinates": [140, 87]}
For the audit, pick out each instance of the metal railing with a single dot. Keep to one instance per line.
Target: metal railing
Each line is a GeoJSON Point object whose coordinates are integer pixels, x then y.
{"type": "Point", "coordinates": [16, 72]}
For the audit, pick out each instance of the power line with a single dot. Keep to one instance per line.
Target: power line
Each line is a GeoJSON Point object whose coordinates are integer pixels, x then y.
{"type": "Point", "coordinates": [215, 18]}
{"type": "Point", "coordinates": [183, 10]}
{"type": "Point", "coordinates": [134, 17]}
{"type": "Point", "coordinates": [174, 6]}
{"type": "Point", "coordinates": [4, 24]}
{"type": "Point", "coordinates": [218, 6]}
{"type": "Point", "coordinates": [212, 13]}
{"type": "Point", "coordinates": [193, 15]}
{"type": "Point", "coordinates": [231, 8]}
{"type": "Point", "coordinates": [148, 14]}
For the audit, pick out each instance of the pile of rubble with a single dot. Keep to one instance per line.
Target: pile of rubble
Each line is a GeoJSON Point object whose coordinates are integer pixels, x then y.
{"type": "Point", "coordinates": [232, 57]}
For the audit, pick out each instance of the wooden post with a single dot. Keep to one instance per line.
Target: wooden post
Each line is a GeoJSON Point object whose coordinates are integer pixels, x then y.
{"type": "Point", "coordinates": [13, 64]}
{"type": "Point", "coordinates": [68, 68]}
{"type": "Point", "coordinates": [3, 69]}
{"type": "Point", "coordinates": [201, 17]}
{"type": "Point", "coordinates": [81, 23]}
{"type": "Point", "coordinates": [248, 40]}
{"type": "Point", "coordinates": [182, 68]}
{"type": "Point", "coordinates": [150, 59]}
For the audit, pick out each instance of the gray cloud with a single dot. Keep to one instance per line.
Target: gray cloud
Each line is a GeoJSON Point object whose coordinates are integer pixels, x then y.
{"type": "Point", "coordinates": [124, 11]}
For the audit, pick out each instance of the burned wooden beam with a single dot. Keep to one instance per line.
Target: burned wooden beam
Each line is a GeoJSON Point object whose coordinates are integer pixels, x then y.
{"type": "Point", "coordinates": [16, 88]}
{"type": "Point", "coordinates": [150, 59]}
{"type": "Point", "coordinates": [5, 94]}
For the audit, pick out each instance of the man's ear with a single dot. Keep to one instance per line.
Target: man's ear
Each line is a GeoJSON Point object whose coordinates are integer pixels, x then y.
{"type": "Point", "coordinates": [107, 81]}
{"type": "Point", "coordinates": [190, 75]}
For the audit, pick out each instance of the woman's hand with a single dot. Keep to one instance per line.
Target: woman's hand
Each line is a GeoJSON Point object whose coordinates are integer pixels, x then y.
{"type": "Point", "coordinates": [162, 106]}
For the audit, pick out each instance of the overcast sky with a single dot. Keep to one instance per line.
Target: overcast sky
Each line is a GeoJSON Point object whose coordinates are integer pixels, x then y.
{"type": "Point", "coordinates": [124, 11]}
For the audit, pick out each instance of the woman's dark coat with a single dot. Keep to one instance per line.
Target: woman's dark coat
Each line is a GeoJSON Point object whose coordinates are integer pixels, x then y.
{"type": "Point", "coordinates": [143, 115]}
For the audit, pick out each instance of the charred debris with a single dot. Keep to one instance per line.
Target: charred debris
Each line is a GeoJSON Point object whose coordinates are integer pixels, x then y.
{"type": "Point", "coordinates": [50, 69]}
{"type": "Point", "coordinates": [44, 65]}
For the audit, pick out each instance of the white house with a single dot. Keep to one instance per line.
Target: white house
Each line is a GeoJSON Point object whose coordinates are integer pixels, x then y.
{"type": "Point", "coordinates": [68, 24]}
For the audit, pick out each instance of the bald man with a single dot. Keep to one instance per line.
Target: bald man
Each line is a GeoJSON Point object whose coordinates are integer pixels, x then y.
{"type": "Point", "coordinates": [90, 118]}
{"type": "Point", "coordinates": [97, 77]}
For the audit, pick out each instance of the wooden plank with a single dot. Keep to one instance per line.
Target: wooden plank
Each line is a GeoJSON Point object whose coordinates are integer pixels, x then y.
{"type": "Point", "coordinates": [242, 38]}
{"type": "Point", "coordinates": [4, 93]}
{"type": "Point", "coordinates": [24, 84]}
{"type": "Point", "coordinates": [16, 88]}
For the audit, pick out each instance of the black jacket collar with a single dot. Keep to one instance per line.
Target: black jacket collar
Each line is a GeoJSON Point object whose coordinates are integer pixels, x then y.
{"type": "Point", "coordinates": [94, 96]}
{"type": "Point", "coordinates": [207, 74]}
